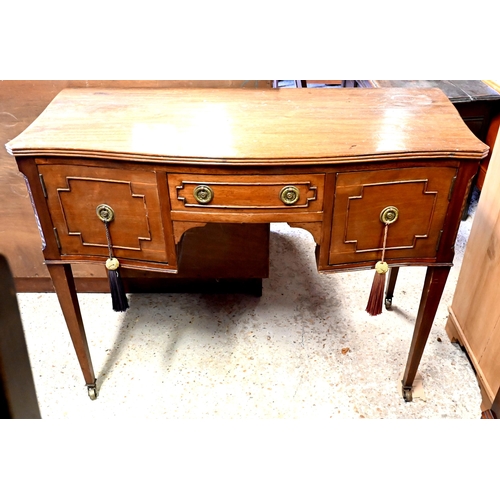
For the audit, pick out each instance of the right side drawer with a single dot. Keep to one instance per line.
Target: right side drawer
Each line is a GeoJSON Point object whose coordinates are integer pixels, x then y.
{"type": "Point", "coordinates": [421, 196]}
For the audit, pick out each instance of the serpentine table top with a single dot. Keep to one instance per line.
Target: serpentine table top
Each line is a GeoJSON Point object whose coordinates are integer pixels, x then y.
{"type": "Point", "coordinates": [250, 127]}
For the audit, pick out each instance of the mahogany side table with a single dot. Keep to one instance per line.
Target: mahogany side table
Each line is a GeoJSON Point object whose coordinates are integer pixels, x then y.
{"type": "Point", "coordinates": [164, 161]}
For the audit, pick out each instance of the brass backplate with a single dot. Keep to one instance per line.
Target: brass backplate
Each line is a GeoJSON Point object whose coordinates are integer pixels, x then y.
{"type": "Point", "coordinates": [389, 215]}
{"type": "Point", "coordinates": [105, 213]}
{"type": "Point", "coordinates": [289, 195]}
{"type": "Point", "coordinates": [203, 194]}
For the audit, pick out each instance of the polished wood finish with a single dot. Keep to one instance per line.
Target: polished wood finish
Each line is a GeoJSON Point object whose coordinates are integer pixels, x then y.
{"type": "Point", "coordinates": [417, 192]}
{"type": "Point", "coordinates": [246, 193]}
{"type": "Point", "coordinates": [250, 128]}
{"type": "Point", "coordinates": [21, 102]}
{"type": "Point", "coordinates": [73, 193]}
{"type": "Point", "coordinates": [247, 262]}
{"type": "Point", "coordinates": [342, 157]}
{"type": "Point", "coordinates": [474, 319]}
{"type": "Point", "coordinates": [478, 103]}
{"type": "Point", "coordinates": [254, 196]}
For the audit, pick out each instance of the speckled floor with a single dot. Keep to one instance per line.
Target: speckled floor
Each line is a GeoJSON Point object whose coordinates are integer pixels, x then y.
{"type": "Point", "coordinates": [305, 349]}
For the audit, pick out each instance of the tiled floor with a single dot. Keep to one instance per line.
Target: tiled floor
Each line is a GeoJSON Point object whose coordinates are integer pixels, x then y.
{"type": "Point", "coordinates": [305, 349]}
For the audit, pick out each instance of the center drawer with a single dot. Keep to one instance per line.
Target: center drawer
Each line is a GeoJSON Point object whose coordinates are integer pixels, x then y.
{"type": "Point", "coordinates": [246, 193]}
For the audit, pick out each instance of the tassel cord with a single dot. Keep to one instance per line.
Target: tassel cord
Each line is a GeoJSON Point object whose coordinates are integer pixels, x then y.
{"type": "Point", "coordinates": [108, 237]}
{"type": "Point", "coordinates": [386, 230]}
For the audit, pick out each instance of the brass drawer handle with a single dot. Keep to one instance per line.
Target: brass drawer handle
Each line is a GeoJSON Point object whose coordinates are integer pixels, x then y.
{"type": "Point", "coordinates": [289, 195]}
{"type": "Point", "coordinates": [105, 213]}
{"type": "Point", "coordinates": [389, 215]}
{"type": "Point", "coordinates": [203, 194]}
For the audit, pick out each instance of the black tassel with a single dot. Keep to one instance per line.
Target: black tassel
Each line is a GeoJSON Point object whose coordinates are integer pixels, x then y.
{"type": "Point", "coordinates": [118, 296]}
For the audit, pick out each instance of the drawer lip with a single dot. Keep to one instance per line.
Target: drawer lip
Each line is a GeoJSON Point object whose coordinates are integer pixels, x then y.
{"type": "Point", "coordinates": [241, 216]}
{"type": "Point", "coordinates": [139, 264]}
{"type": "Point", "coordinates": [393, 263]}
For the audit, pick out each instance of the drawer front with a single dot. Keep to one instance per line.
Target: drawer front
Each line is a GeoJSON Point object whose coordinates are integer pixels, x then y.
{"type": "Point", "coordinates": [421, 196]}
{"type": "Point", "coordinates": [73, 194]}
{"type": "Point", "coordinates": [246, 193]}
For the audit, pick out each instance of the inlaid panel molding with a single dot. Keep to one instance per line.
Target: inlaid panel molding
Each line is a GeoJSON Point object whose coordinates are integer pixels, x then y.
{"type": "Point", "coordinates": [428, 212]}
{"type": "Point", "coordinates": [100, 191]}
{"type": "Point", "coordinates": [244, 188]}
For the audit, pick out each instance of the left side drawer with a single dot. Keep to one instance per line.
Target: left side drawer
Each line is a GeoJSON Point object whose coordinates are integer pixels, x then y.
{"type": "Point", "coordinates": [73, 194]}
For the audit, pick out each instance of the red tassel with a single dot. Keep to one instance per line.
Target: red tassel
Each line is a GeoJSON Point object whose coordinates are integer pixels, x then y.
{"type": "Point", "coordinates": [376, 298]}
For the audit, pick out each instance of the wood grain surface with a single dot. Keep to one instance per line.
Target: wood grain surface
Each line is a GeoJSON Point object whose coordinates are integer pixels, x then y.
{"type": "Point", "coordinates": [250, 127]}
{"type": "Point", "coordinates": [21, 102]}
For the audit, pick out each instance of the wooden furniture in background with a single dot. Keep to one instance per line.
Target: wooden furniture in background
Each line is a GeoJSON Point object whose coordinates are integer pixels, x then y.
{"type": "Point", "coordinates": [474, 319]}
{"type": "Point", "coordinates": [490, 140]}
{"type": "Point", "coordinates": [169, 161]}
{"type": "Point", "coordinates": [20, 104]}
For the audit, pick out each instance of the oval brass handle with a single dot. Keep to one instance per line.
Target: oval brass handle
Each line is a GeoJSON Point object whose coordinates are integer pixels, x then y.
{"type": "Point", "coordinates": [203, 194]}
{"type": "Point", "coordinates": [105, 213]}
{"type": "Point", "coordinates": [289, 195]}
{"type": "Point", "coordinates": [389, 215]}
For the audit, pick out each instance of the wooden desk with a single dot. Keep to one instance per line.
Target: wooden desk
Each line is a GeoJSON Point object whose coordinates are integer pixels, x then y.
{"type": "Point", "coordinates": [169, 161]}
